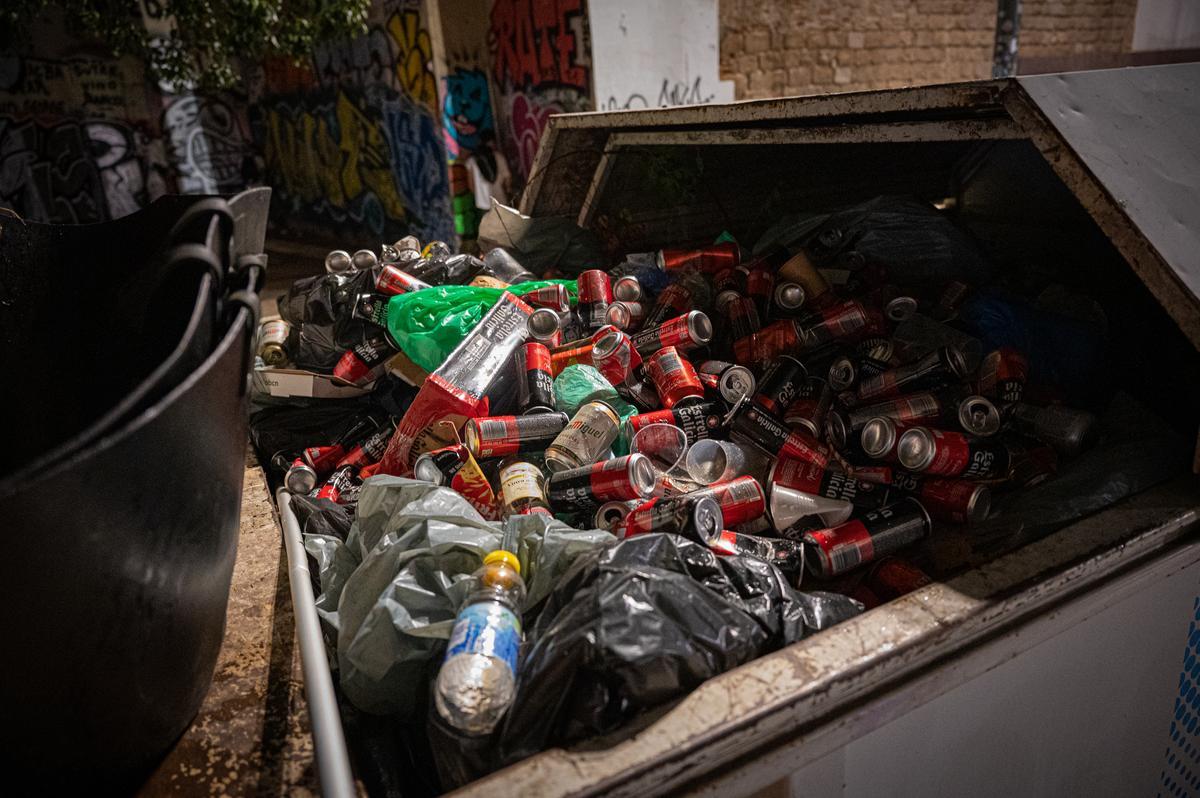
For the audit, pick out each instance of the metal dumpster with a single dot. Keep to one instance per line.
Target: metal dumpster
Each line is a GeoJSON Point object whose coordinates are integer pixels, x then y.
{"type": "Point", "coordinates": [1070, 664]}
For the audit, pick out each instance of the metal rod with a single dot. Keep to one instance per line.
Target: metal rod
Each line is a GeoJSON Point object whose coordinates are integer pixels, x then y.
{"type": "Point", "coordinates": [329, 741]}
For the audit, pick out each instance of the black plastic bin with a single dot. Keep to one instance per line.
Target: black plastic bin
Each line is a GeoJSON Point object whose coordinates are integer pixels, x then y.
{"type": "Point", "coordinates": [125, 348]}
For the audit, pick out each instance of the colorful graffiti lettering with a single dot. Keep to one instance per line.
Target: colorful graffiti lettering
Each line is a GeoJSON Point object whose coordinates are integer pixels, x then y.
{"type": "Point", "coordinates": [418, 161]}
{"type": "Point", "coordinates": [528, 121]}
{"type": "Point", "coordinates": [466, 111]}
{"type": "Point", "coordinates": [414, 55]}
{"type": "Point", "coordinates": [538, 42]}
{"type": "Point", "coordinates": [209, 146]}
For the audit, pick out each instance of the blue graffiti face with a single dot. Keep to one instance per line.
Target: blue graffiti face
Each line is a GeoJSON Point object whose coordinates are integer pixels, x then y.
{"type": "Point", "coordinates": [467, 111]}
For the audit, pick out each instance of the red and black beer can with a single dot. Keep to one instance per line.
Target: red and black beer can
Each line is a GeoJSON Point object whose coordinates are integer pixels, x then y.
{"type": "Point", "coordinates": [619, 479]}
{"type": "Point", "coordinates": [300, 477]}
{"type": "Point", "coordinates": [781, 384]}
{"type": "Point", "coordinates": [876, 534]}
{"type": "Point", "coordinates": [817, 481]}
{"type": "Point", "coordinates": [614, 356]}
{"type": "Point", "coordinates": [543, 327]}
{"type": "Point", "coordinates": [626, 316]}
{"type": "Point", "coordinates": [785, 336]}
{"type": "Point", "coordinates": [756, 426]}
{"type": "Point", "coordinates": [955, 501]}
{"type": "Point", "coordinates": [786, 555]}
{"type": "Point", "coordinates": [553, 296]}
{"type": "Point", "coordinates": [729, 380]}
{"type": "Point", "coordinates": [685, 332]}
{"type": "Point", "coordinates": [628, 289]}
{"type": "Point", "coordinates": [1003, 374]}
{"type": "Point", "coordinates": [393, 281]}
{"type": "Point", "coordinates": [340, 487]}
{"type": "Point", "coordinates": [674, 378]}
{"type": "Point", "coordinates": [677, 298]}
{"type": "Point", "coordinates": [893, 577]}
{"type": "Point", "coordinates": [944, 364]}
{"type": "Point", "coordinates": [697, 518]}
{"type": "Point", "coordinates": [952, 454]}
{"type": "Point", "coordinates": [595, 295]}
{"type": "Point", "coordinates": [371, 449]}
{"type": "Point", "coordinates": [698, 421]}
{"type": "Point", "coordinates": [710, 259]}
{"type": "Point", "coordinates": [910, 409]}
{"type": "Point", "coordinates": [454, 467]}
{"type": "Point", "coordinates": [535, 389]}
{"type": "Point", "coordinates": [741, 499]}
{"type": "Point", "coordinates": [323, 459]}
{"type": "Point", "coordinates": [850, 319]}
{"type": "Point", "coordinates": [727, 284]}
{"type": "Point", "coordinates": [760, 284]}
{"type": "Point", "coordinates": [743, 317]}
{"type": "Point", "coordinates": [365, 361]}
{"type": "Point", "coordinates": [500, 436]}
{"type": "Point", "coordinates": [811, 407]}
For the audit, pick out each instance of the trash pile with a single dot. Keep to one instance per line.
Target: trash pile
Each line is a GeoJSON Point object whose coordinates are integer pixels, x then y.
{"type": "Point", "coordinates": [599, 492]}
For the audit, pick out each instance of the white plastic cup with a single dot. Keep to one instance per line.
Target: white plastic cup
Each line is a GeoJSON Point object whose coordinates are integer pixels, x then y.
{"type": "Point", "coordinates": [710, 461]}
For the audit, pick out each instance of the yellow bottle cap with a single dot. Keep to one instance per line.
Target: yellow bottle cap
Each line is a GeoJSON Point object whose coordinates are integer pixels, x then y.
{"type": "Point", "coordinates": [507, 557]}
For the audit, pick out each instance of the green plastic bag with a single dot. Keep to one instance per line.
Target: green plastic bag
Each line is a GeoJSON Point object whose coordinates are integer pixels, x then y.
{"type": "Point", "coordinates": [429, 323]}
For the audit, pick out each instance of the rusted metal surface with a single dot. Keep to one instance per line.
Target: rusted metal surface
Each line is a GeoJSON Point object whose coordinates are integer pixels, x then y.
{"type": "Point", "coordinates": [749, 709]}
{"type": "Point", "coordinates": [251, 736]}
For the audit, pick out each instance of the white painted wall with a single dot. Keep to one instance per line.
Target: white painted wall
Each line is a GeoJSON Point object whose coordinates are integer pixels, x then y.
{"type": "Point", "coordinates": [653, 53]}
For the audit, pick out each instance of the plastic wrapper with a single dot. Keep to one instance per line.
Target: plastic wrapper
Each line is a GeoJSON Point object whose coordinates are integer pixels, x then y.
{"type": "Point", "coordinates": [1135, 451]}
{"type": "Point", "coordinates": [404, 571]}
{"type": "Point", "coordinates": [428, 324]}
{"type": "Point", "coordinates": [642, 622]}
{"type": "Point", "coordinates": [542, 243]}
{"type": "Point", "coordinates": [908, 236]}
{"type": "Point", "coordinates": [320, 310]}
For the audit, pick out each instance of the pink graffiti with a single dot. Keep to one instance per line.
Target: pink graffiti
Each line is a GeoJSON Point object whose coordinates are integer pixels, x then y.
{"type": "Point", "coordinates": [528, 120]}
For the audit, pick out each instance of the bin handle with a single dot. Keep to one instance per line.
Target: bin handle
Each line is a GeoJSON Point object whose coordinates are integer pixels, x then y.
{"type": "Point", "coordinates": [196, 223]}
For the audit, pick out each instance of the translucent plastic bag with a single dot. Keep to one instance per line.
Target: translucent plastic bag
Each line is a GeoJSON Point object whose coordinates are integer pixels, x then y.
{"type": "Point", "coordinates": [428, 324]}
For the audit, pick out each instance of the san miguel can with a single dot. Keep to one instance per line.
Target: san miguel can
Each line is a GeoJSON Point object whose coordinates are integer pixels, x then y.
{"type": "Point", "coordinates": [585, 438]}
{"type": "Point", "coordinates": [913, 408]}
{"type": "Point", "coordinates": [951, 454]}
{"type": "Point", "coordinates": [620, 479]}
{"type": "Point", "coordinates": [1003, 374]}
{"type": "Point", "coordinates": [698, 421]}
{"type": "Point", "coordinates": [543, 327]}
{"type": "Point", "coordinates": [729, 380]}
{"type": "Point", "coordinates": [595, 295]}
{"type": "Point", "coordinates": [535, 388]}
{"type": "Point", "coordinates": [741, 499]}
{"type": "Point", "coordinates": [393, 281]}
{"type": "Point", "coordinates": [785, 336]}
{"type": "Point", "coordinates": [614, 356]}
{"type": "Point", "coordinates": [365, 361]}
{"type": "Point", "coordinates": [849, 319]}
{"type": "Point", "coordinates": [944, 364]}
{"type": "Point", "coordinates": [553, 296]}
{"type": "Point", "coordinates": [685, 332]}
{"type": "Point", "coordinates": [697, 518]}
{"type": "Point", "coordinates": [500, 436]}
{"type": "Point", "coordinates": [876, 534]}
{"type": "Point", "coordinates": [674, 378]}
{"type": "Point", "coordinates": [756, 426]}
{"type": "Point", "coordinates": [710, 259]}
{"type": "Point", "coordinates": [626, 316]}
{"type": "Point", "coordinates": [781, 384]}
{"type": "Point", "coordinates": [818, 481]}
{"type": "Point", "coordinates": [454, 467]}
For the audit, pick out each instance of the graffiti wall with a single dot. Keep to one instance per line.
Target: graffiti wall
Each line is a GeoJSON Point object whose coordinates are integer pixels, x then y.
{"type": "Point", "coordinates": [541, 66]}
{"type": "Point", "coordinates": [353, 141]}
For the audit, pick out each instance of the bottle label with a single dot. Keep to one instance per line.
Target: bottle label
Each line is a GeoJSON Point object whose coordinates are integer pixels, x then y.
{"type": "Point", "coordinates": [491, 630]}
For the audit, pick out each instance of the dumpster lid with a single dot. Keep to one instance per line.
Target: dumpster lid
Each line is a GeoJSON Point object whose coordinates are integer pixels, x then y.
{"type": "Point", "coordinates": [1122, 140]}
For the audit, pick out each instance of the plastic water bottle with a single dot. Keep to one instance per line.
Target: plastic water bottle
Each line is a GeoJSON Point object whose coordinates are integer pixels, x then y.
{"type": "Point", "coordinates": [478, 679]}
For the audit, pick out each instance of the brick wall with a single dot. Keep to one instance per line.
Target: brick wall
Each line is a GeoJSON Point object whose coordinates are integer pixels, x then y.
{"type": "Point", "coordinates": [773, 48]}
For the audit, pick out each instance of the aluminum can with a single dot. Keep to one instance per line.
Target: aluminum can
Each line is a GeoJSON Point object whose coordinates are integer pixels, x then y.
{"type": "Point", "coordinates": [365, 361]}
{"type": "Point", "coordinates": [810, 408]}
{"type": "Point", "coordinates": [743, 318]}
{"type": "Point", "coordinates": [944, 364]}
{"type": "Point", "coordinates": [684, 332]}
{"type": "Point", "coordinates": [697, 518]}
{"type": "Point", "coordinates": [978, 416]}
{"type": "Point", "coordinates": [1068, 430]}
{"type": "Point", "coordinates": [500, 436]}
{"type": "Point", "coordinates": [710, 259]}
{"type": "Point", "coordinates": [535, 388]}
{"type": "Point", "coordinates": [879, 437]}
{"type": "Point", "coordinates": [876, 534]}
{"type": "Point", "coordinates": [729, 380]}
{"type": "Point", "coordinates": [788, 298]}
{"type": "Point", "coordinates": [614, 356]}
{"type": "Point", "coordinates": [300, 478]}
{"type": "Point", "coordinates": [454, 467]}
{"type": "Point", "coordinates": [786, 555]}
{"type": "Point", "coordinates": [914, 408]}
{"type": "Point", "coordinates": [621, 479]}
{"type": "Point", "coordinates": [781, 384]}
{"type": "Point", "coordinates": [952, 454]}
{"type": "Point", "coordinates": [760, 348]}
{"type": "Point", "coordinates": [370, 450]}
{"type": "Point", "coordinates": [1003, 375]}
{"type": "Point", "coordinates": [678, 297]}
{"type": "Point", "coordinates": [893, 577]}
{"type": "Point", "coordinates": [338, 261]}
{"type": "Point", "coordinates": [760, 285]}
{"type": "Point", "coordinates": [628, 289]}
{"type": "Point", "coordinates": [364, 259]}
{"type": "Point", "coordinates": [756, 426]}
{"type": "Point", "coordinates": [543, 327]}
{"type": "Point", "coordinates": [728, 284]}
{"type": "Point", "coordinates": [626, 316]}
{"type": "Point", "coordinates": [813, 479]}
{"type": "Point", "coordinates": [323, 459]}
{"type": "Point", "coordinates": [272, 342]}
{"type": "Point", "coordinates": [595, 295]}
{"type": "Point", "coordinates": [849, 319]}
{"type": "Point", "coordinates": [674, 378]}
{"type": "Point", "coordinates": [610, 514]}
{"type": "Point", "coordinates": [741, 499]}
{"type": "Point", "coordinates": [522, 487]}
{"type": "Point", "coordinates": [340, 487]}
{"type": "Point", "coordinates": [392, 281]}
{"type": "Point", "coordinates": [698, 421]}
{"type": "Point", "coordinates": [553, 296]}
{"type": "Point", "coordinates": [955, 501]}
{"type": "Point", "coordinates": [585, 439]}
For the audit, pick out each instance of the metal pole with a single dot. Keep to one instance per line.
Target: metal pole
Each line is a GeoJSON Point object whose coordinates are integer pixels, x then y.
{"type": "Point", "coordinates": [329, 741]}
{"type": "Point", "coordinates": [1008, 27]}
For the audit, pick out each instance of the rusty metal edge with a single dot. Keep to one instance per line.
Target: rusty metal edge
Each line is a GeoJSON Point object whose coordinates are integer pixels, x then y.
{"type": "Point", "coordinates": [816, 678]}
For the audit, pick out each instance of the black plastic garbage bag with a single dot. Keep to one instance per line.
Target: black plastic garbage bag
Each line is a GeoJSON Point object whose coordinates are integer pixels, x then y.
{"type": "Point", "coordinates": [912, 239]}
{"type": "Point", "coordinates": [645, 621]}
{"type": "Point", "coordinates": [320, 310]}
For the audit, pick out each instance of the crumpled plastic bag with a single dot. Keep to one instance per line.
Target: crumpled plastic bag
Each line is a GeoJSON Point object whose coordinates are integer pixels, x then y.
{"type": "Point", "coordinates": [911, 238]}
{"type": "Point", "coordinates": [404, 572]}
{"type": "Point", "coordinates": [320, 310]}
{"type": "Point", "coordinates": [428, 324]}
{"type": "Point", "coordinates": [645, 621]}
{"type": "Point", "coordinates": [579, 384]}
{"type": "Point", "coordinates": [540, 243]}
